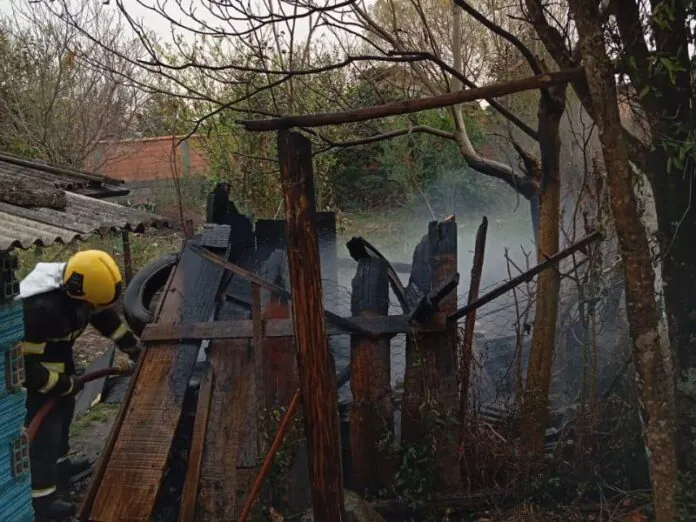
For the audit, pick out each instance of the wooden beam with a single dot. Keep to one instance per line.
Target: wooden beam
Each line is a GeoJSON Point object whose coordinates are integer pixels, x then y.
{"type": "Point", "coordinates": [420, 104]}
{"type": "Point", "coordinates": [440, 349]}
{"type": "Point", "coordinates": [187, 509]}
{"type": "Point", "coordinates": [103, 462]}
{"type": "Point", "coordinates": [317, 376]}
{"type": "Point", "coordinates": [527, 276]}
{"type": "Point", "coordinates": [217, 493]}
{"type": "Point", "coordinates": [272, 328]}
{"type": "Point", "coordinates": [371, 413]}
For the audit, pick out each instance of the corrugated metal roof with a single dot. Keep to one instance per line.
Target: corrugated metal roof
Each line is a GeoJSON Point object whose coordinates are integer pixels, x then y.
{"type": "Point", "coordinates": [24, 227]}
{"type": "Point", "coordinates": [15, 169]}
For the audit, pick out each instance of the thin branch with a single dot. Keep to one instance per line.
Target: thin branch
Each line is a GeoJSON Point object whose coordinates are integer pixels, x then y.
{"type": "Point", "coordinates": [507, 35]}
{"type": "Point", "coordinates": [506, 113]}
{"type": "Point", "coordinates": [389, 135]}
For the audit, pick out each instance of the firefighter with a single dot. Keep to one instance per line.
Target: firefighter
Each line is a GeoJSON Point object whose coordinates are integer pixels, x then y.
{"type": "Point", "coordinates": [60, 300]}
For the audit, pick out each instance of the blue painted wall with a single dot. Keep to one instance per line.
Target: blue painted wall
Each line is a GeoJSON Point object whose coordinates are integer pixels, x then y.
{"type": "Point", "coordinates": [15, 478]}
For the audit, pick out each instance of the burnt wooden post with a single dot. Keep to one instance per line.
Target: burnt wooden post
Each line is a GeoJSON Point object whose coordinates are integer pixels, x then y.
{"type": "Point", "coordinates": [431, 358]}
{"type": "Point", "coordinates": [317, 379]}
{"type": "Point", "coordinates": [279, 356]}
{"type": "Point", "coordinates": [442, 240]}
{"type": "Point", "coordinates": [468, 342]}
{"type": "Point", "coordinates": [371, 413]}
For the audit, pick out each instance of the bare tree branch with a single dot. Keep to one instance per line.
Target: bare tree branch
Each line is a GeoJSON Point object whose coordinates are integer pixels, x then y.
{"type": "Point", "coordinates": [417, 105]}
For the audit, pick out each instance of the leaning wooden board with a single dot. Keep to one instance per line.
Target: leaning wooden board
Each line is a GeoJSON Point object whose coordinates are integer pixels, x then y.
{"type": "Point", "coordinates": [91, 394]}
{"type": "Point", "coordinates": [135, 467]}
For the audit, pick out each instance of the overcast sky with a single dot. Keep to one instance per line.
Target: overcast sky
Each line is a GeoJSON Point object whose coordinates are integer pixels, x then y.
{"type": "Point", "coordinates": [141, 11]}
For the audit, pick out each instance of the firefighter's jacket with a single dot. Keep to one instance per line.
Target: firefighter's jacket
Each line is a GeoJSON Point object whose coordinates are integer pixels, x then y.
{"type": "Point", "coordinates": [52, 323]}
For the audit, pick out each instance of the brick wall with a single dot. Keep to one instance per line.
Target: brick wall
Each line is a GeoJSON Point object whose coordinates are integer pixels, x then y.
{"type": "Point", "coordinates": [147, 159]}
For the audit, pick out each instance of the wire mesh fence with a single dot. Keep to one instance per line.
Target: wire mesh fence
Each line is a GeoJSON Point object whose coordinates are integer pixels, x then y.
{"type": "Point", "coordinates": [590, 357]}
{"type": "Point", "coordinates": [590, 351]}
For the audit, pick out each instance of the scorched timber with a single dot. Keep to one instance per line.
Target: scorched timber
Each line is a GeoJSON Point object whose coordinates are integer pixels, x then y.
{"type": "Point", "coordinates": [244, 329]}
{"type": "Point", "coordinates": [134, 469]}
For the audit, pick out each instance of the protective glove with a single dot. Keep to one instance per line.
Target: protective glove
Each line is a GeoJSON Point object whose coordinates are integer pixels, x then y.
{"type": "Point", "coordinates": [133, 352]}
{"type": "Point", "coordinates": [126, 367]}
{"type": "Point", "coordinates": [76, 386]}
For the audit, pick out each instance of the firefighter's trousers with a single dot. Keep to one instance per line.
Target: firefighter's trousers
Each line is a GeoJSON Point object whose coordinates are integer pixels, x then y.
{"type": "Point", "coordinates": [51, 444]}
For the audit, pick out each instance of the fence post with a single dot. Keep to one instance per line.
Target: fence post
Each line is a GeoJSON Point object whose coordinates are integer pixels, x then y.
{"type": "Point", "coordinates": [431, 359]}
{"type": "Point", "coordinates": [371, 414]}
{"type": "Point", "coordinates": [442, 240]}
{"type": "Point", "coordinates": [127, 260]}
{"type": "Point", "coordinates": [317, 378]}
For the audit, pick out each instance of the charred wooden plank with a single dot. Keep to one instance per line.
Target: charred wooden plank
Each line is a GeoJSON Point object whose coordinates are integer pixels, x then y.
{"type": "Point", "coordinates": [431, 368]}
{"type": "Point", "coordinates": [102, 463]}
{"type": "Point", "coordinates": [248, 454]}
{"type": "Point", "coordinates": [442, 346]}
{"type": "Point", "coordinates": [317, 375]}
{"type": "Point", "coordinates": [136, 465]}
{"type": "Point", "coordinates": [359, 249]}
{"type": "Point", "coordinates": [371, 412]}
{"type": "Point", "coordinates": [189, 494]}
{"type": "Point", "coordinates": [244, 329]}
{"type": "Point", "coordinates": [217, 497]}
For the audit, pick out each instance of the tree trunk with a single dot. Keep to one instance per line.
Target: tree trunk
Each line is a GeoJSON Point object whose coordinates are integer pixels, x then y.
{"type": "Point", "coordinates": [536, 395]}
{"type": "Point", "coordinates": [675, 204]}
{"type": "Point", "coordinates": [656, 384]}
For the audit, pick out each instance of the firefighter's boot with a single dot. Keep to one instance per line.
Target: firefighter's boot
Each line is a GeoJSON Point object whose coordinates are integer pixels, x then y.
{"type": "Point", "coordinates": [53, 508]}
{"type": "Point", "coordinates": [68, 468]}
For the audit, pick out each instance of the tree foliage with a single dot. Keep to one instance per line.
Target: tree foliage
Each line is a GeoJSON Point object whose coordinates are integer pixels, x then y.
{"type": "Point", "coordinates": [55, 105]}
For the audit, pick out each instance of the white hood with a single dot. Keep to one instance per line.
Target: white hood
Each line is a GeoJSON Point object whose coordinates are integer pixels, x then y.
{"type": "Point", "coordinates": [44, 278]}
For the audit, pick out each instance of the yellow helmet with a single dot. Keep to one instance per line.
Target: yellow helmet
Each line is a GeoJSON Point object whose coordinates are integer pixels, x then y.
{"type": "Point", "coordinates": [93, 276]}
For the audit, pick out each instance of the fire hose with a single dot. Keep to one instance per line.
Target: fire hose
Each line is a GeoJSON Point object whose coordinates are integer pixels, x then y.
{"type": "Point", "coordinates": [124, 368]}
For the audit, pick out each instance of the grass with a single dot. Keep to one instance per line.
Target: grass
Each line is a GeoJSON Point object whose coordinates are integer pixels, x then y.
{"type": "Point", "coordinates": [99, 414]}
{"type": "Point", "coordinates": [396, 232]}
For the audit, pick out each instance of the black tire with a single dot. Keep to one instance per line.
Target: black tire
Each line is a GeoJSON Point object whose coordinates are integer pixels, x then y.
{"type": "Point", "coordinates": [142, 288]}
